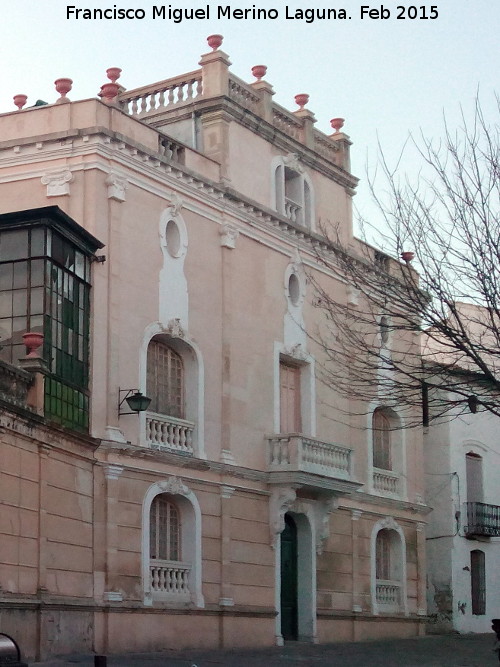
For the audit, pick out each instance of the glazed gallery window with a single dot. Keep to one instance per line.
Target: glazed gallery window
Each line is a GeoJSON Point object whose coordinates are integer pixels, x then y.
{"type": "Point", "coordinates": [382, 446]}
{"type": "Point", "coordinates": [45, 288]}
{"type": "Point", "coordinates": [165, 380]}
{"type": "Point", "coordinates": [164, 529]}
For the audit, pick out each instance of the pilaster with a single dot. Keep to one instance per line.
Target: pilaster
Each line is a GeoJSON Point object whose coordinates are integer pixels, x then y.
{"type": "Point", "coordinates": [226, 590]}
{"type": "Point", "coordinates": [112, 475]}
{"type": "Point", "coordinates": [356, 595]}
{"type": "Point", "coordinates": [421, 571]}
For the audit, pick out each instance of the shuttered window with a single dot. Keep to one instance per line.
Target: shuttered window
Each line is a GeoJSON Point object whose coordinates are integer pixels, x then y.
{"type": "Point", "coordinates": [383, 555]}
{"type": "Point", "coordinates": [474, 472]}
{"type": "Point", "coordinates": [164, 529]}
{"type": "Point", "coordinates": [165, 380]}
{"type": "Point", "coordinates": [381, 428]}
{"type": "Point", "coordinates": [478, 582]}
{"type": "Point", "coordinates": [290, 419]}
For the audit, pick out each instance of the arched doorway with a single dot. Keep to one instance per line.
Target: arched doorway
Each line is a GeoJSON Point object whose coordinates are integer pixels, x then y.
{"type": "Point", "coordinates": [289, 580]}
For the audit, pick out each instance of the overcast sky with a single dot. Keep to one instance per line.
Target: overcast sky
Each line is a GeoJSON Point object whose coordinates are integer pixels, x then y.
{"type": "Point", "coordinates": [384, 76]}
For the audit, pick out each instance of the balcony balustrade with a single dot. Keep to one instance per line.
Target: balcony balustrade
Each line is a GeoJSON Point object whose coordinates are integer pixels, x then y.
{"type": "Point", "coordinates": [483, 520]}
{"type": "Point", "coordinates": [388, 594]}
{"type": "Point", "coordinates": [171, 149]}
{"type": "Point", "coordinates": [386, 482]}
{"type": "Point", "coordinates": [170, 578]}
{"type": "Point", "coordinates": [298, 453]}
{"type": "Point", "coordinates": [169, 433]}
{"type": "Point", "coordinates": [293, 211]}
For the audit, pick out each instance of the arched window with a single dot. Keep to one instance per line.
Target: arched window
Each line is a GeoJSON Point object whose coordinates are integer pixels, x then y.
{"type": "Point", "coordinates": [382, 446]}
{"type": "Point", "coordinates": [389, 571]}
{"type": "Point", "coordinates": [169, 576]}
{"type": "Point", "coordinates": [165, 380]}
{"type": "Point", "coordinates": [164, 529]}
{"type": "Point", "coordinates": [293, 193]}
{"type": "Point", "coordinates": [383, 555]}
{"type": "Point", "coordinates": [171, 544]}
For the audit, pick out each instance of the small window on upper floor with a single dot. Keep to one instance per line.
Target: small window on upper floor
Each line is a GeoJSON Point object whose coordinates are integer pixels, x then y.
{"type": "Point", "coordinates": [293, 192]}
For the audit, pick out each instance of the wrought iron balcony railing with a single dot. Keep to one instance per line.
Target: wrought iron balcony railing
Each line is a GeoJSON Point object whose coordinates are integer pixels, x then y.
{"type": "Point", "coordinates": [483, 519]}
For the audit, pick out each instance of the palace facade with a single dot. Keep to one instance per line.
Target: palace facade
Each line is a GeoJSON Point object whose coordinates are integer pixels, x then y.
{"type": "Point", "coordinates": [163, 242]}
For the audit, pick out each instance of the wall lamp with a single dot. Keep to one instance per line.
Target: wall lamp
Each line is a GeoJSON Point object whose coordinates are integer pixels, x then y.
{"type": "Point", "coordinates": [135, 400]}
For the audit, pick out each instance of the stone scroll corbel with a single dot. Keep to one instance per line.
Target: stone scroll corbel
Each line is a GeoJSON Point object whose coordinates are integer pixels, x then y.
{"type": "Point", "coordinates": [279, 504]}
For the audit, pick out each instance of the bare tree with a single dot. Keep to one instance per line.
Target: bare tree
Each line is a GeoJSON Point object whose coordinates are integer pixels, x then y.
{"type": "Point", "coordinates": [422, 318]}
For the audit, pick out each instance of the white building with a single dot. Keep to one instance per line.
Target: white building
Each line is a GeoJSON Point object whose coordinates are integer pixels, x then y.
{"type": "Point", "coordinates": [462, 455]}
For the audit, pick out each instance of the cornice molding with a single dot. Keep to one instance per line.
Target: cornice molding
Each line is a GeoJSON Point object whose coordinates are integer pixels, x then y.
{"type": "Point", "coordinates": [147, 163]}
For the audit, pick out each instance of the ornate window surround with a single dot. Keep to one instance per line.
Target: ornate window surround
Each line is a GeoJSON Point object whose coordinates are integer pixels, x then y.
{"type": "Point", "coordinates": [306, 203]}
{"type": "Point", "coordinates": [398, 446]}
{"type": "Point", "coordinates": [388, 523]}
{"type": "Point", "coordinates": [194, 378]}
{"type": "Point", "coordinates": [296, 355]}
{"type": "Point", "coordinates": [190, 530]}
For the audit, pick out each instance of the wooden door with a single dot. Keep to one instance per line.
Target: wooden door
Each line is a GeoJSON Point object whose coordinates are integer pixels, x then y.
{"type": "Point", "coordinates": [289, 603]}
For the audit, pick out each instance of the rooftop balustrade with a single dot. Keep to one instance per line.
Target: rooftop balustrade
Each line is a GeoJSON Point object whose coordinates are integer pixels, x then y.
{"type": "Point", "coordinates": [161, 102]}
{"type": "Point", "coordinates": [14, 384]}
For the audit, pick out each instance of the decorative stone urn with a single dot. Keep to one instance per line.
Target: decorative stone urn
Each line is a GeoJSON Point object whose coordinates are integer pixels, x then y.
{"type": "Point", "coordinates": [108, 92]}
{"type": "Point", "coordinates": [337, 124]}
{"type": "Point", "coordinates": [259, 71]}
{"type": "Point", "coordinates": [20, 100]}
{"type": "Point", "coordinates": [113, 74]}
{"type": "Point", "coordinates": [214, 41]}
{"type": "Point", "coordinates": [302, 99]}
{"type": "Point", "coordinates": [407, 256]}
{"type": "Point", "coordinates": [33, 341]}
{"type": "Point", "coordinates": [63, 86]}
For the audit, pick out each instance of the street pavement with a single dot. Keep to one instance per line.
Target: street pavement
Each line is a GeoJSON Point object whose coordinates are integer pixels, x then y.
{"type": "Point", "coordinates": [432, 651]}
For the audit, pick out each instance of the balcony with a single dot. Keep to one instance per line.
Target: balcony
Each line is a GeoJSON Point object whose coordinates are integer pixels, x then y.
{"type": "Point", "coordinates": [293, 210]}
{"type": "Point", "coordinates": [482, 520]}
{"type": "Point", "coordinates": [386, 482]}
{"type": "Point", "coordinates": [170, 579]}
{"type": "Point", "coordinates": [388, 594]}
{"type": "Point", "coordinates": [297, 459]}
{"type": "Point", "coordinates": [169, 433]}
